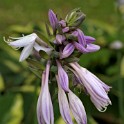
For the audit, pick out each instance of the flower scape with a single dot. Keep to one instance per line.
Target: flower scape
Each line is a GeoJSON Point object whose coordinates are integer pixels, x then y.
{"type": "Point", "coordinates": [56, 58]}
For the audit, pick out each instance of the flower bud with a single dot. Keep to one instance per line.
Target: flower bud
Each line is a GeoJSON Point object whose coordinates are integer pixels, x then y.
{"type": "Point", "coordinates": [75, 18]}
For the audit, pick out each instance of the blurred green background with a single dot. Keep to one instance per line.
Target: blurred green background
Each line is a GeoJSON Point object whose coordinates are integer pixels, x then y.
{"type": "Point", "coordinates": [19, 87]}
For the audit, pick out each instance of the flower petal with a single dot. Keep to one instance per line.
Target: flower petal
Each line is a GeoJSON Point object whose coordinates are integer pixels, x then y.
{"type": "Point", "coordinates": [26, 52]}
{"type": "Point", "coordinates": [53, 19]}
{"type": "Point", "coordinates": [92, 47]}
{"type": "Point", "coordinates": [81, 38]}
{"type": "Point", "coordinates": [67, 51]}
{"type": "Point", "coordinates": [77, 108]}
{"type": "Point", "coordinates": [80, 48]}
{"type": "Point", "coordinates": [62, 77]}
{"type": "Point", "coordinates": [89, 39]}
{"type": "Point", "coordinates": [24, 41]}
{"type": "Point", "coordinates": [47, 108]}
{"type": "Point", "coordinates": [60, 38]}
{"type": "Point", "coordinates": [37, 47]}
{"type": "Point", "coordinates": [63, 104]}
{"type": "Point", "coordinates": [96, 88]}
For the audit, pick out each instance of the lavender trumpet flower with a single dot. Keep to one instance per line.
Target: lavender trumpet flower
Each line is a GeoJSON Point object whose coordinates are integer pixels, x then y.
{"type": "Point", "coordinates": [58, 56]}
{"type": "Point", "coordinates": [44, 106]}
{"type": "Point", "coordinates": [63, 104]}
{"type": "Point", "coordinates": [94, 86]}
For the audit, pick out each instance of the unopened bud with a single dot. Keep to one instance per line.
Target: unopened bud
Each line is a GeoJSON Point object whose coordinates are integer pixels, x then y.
{"type": "Point", "coordinates": [75, 18]}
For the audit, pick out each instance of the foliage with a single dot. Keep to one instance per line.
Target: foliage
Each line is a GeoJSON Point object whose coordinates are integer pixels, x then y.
{"type": "Point", "coordinates": [19, 87]}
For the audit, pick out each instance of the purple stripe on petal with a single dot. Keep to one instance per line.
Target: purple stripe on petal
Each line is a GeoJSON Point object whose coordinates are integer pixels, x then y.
{"type": "Point", "coordinates": [81, 38]}
{"type": "Point", "coordinates": [63, 104]}
{"type": "Point", "coordinates": [53, 19]}
{"type": "Point", "coordinates": [63, 77]}
{"type": "Point", "coordinates": [67, 51]}
{"type": "Point", "coordinates": [46, 103]}
{"type": "Point", "coordinates": [80, 48]}
{"type": "Point", "coordinates": [89, 39]}
{"type": "Point", "coordinates": [77, 108]}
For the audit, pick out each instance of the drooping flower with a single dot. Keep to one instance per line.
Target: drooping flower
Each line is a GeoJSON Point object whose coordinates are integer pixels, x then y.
{"type": "Point", "coordinates": [29, 42]}
{"type": "Point", "coordinates": [44, 106]}
{"type": "Point", "coordinates": [63, 104]}
{"type": "Point", "coordinates": [94, 86]}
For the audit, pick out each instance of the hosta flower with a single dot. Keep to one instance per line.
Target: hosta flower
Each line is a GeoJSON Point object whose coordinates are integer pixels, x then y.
{"type": "Point", "coordinates": [44, 107]}
{"type": "Point", "coordinates": [29, 42]}
{"type": "Point", "coordinates": [57, 61]}
{"type": "Point", "coordinates": [94, 86]}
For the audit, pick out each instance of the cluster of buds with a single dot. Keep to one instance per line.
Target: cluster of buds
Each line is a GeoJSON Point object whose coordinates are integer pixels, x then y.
{"type": "Point", "coordinates": [60, 56]}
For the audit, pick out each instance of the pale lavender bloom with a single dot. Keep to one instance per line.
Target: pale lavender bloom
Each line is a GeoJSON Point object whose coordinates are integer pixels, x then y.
{"type": "Point", "coordinates": [53, 19]}
{"type": "Point", "coordinates": [81, 38]}
{"type": "Point", "coordinates": [94, 86]}
{"type": "Point", "coordinates": [63, 77]}
{"type": "Point", "coordinates": [89, 39]}
{"type": "Point", "coordinates": [66, 29]}
{"type": "Point", "coordinates": [67, 51]}
{"type": "Point", "coordinates": [60, 38]}
{"type": "Point", "coordinates": [92, 47]}
{"type": "Point", "coordinates": [63, 104]}
{"type": "Point", "coordinates": [44, 106]}
{"type": "Point", "coordinates": [29, 42]}
{"type": "Point", "coordinates": [62, 23]}
{"type": "Point", "coordinates": [77, 108]}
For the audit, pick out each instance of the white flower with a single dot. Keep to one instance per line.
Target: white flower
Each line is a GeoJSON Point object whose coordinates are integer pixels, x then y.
{"type": "Point", "coordinates": [29, 42]}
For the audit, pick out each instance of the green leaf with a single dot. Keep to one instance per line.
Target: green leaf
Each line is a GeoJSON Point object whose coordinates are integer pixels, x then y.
{"type": "Point", "coordinates": [35, 64]}
{"type": "Point", "coordinates": [44, 54]}
{"type": "Point", "coordinates": [36, 72]}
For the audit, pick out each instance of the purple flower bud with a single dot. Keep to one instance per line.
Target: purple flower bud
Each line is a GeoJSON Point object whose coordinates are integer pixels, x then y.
{"type": "Point", "coordinates": [53, 19]}
{"type": "Point", "coordinates": [63, 77]}
{"type": "Point", "coordinates": [75, 33]}
{"type": "Point", "coordinates": [96, 88]}
{"type": "Point", "coordinates": [62, 23]}
{"type": "Point", "coordinates": [66, 29]}
{"type": "Point", "coordinates": [92, 47]}
{"type": "Point", "coordinates": [63, 104]}
{"type": "Point", "coordinates": [77, 108]}
{"type": "Point", "coordinates": [80, 48]}
{"type": "Point", "coordinates": [44, 106]}
{"type": "Point", "coordinates": [89, 39]}
{"type": "Point", "coordinates": [81, 38]}
{"type": "Point", "coordinates": [67, 51]}
{"type": "Point", "coordinates": [59, 38]}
